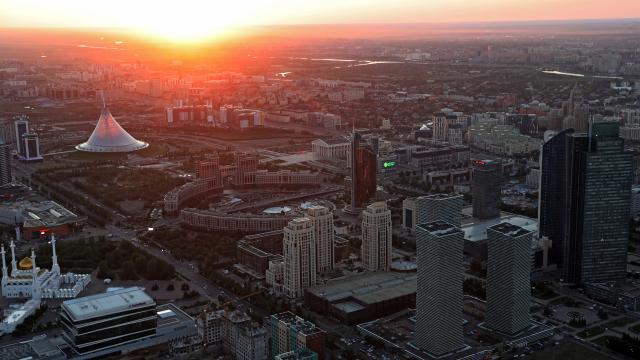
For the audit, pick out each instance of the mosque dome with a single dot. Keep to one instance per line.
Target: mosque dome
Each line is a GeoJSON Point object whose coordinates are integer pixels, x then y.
{"type": "Point", "coordinates": [25, 264]}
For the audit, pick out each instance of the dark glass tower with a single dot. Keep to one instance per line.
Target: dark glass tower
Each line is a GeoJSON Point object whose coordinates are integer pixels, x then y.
{"type": "Point", "coordinates": [364, 170]}
{"type": "Point", "coordinates": [553, 193]}
{"type": "Point", "coordinates": [598, 175]}
{"type": "Point", "coordinates": [486, 189]}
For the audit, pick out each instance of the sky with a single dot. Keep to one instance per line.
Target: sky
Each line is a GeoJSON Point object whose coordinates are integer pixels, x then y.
{"type": "Point", "coordinates": [193, 18]}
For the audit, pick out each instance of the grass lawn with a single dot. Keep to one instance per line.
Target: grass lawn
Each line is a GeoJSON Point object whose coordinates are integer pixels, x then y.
{"type": "Point", "coordinates": [619, 322]}
{"type": "Point", "coordinates": [568, 351]}
{"type": "Point", "coordinates": [587, 333]}
{"type": "Point", "coordinates": [89, 156]}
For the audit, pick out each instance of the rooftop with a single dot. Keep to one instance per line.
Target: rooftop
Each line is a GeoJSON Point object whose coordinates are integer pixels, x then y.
{"type": "Point", "coordinates": [439, 228]}
{"type": "Point", "coordinates": [107, 303]}
{"type": "Point", "coordinates": [366, 288]}
{"type": "Point", "coordinates": [509, 229]}
{"type": "Point", "coordinates": [477, 231]}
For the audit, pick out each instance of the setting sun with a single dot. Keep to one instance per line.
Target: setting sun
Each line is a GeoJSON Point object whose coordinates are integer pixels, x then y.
{"type": "Point", "coordinates": [203, 21]}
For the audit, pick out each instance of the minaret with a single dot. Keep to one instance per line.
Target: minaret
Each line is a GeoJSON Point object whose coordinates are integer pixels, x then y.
{"type": "Point", "coordinates": [5, 275]}
{"type": "Point", "coordinates": [35, 287]}
{"type": "Point", "coordinates": [14, 266]}
{"type": "Point", "coordinates": [18, 233]}
{"type": "Point", "coordinates": [55, 268]}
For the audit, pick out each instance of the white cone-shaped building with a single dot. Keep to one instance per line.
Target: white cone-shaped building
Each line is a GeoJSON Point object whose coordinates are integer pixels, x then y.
{"type": "Point", "coordinates": [109, 136]}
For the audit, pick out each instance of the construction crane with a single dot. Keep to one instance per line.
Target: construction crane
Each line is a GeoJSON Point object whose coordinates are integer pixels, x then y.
{"type": "Point", "coordinates": [226, 304]}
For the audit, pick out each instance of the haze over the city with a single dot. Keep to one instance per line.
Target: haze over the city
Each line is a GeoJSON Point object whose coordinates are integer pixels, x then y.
{"type": "Point", "coordinates": [320, 180]}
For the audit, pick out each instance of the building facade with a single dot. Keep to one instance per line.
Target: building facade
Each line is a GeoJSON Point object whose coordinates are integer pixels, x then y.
{"type": "Point", "coordinates": [599, 176]}
{"type": "Point", "coordinates": [439, 207]}
{"type": "Point", "coordinates": [376, 237]}
{"type": "Point", "coordinates": [439, 290]}
{"type": "Point", "coordinates": [322, 219]}
{"type": "Point", "coordinates": [508, 278]}
{"type": "Point", "coordinates": [299, 253]}
{"type": "Point", "coordinates": [108, 319]}
{"type": "Point", "coordinates": [486, 189]}
{"type": "Point", "coordinates": [553, 187]}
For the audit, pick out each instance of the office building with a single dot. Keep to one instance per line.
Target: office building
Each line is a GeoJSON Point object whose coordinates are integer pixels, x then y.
{"type": "Point", "coordinates": [439, 291]}
{"type": "Point", "coordinates": [486, 189]}
{"type": "Point", "coordinates": [291, 333]}
{"type": "Point", "coordinates": [109, 319]}
{"type": "Point", "coordinates": [246, 167]}
{"type": "Point", "coordinates": [299, 252]}
{"type": "Point", "coordinates": [21, 127]}
{"type": "Point", "coordinates": [376, 237]}
{"type": "Point", "coordinates": [190, 115]}
{"type": "Point", "coordinates": [30, 148]}
{"type": "Point", "coordinates": [5, 163]}
{"type": "Point", "coordinates": [439, 207]}
{"type": "Point", "coordinates": [553, 187]}
{"type": "Point", "coordinates": [322, 220]}
{"type": "Point", "coordinates": [364, 162]}
{"type": "Point", "coordinates": [599, 174]}
{"type": "Point", "coordinates": [409, 213]}
{"type": "Point", "coordinates": [508, 278]}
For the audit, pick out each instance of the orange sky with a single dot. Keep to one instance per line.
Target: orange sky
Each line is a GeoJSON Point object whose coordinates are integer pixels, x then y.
{"type": "Point", "coordinates": [196, 18]}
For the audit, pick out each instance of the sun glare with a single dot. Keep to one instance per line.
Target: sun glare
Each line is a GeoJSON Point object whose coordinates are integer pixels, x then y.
{"type": "Point", "coordinates": [187, 24]}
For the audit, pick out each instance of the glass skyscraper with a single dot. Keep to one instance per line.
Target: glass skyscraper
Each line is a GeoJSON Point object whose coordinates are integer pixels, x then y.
{"type": "Point", "coordinates": [597, 205]}
{"type": "Point", "coordinates": [553, 192]}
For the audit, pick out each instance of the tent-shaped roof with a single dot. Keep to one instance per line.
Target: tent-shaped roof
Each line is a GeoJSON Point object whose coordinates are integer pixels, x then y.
{"type": "Point", "coordinates": [109, 136]}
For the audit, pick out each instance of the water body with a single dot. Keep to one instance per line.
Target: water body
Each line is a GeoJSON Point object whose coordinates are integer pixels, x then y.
{"type": "Point", "coordinates": [556, 72]}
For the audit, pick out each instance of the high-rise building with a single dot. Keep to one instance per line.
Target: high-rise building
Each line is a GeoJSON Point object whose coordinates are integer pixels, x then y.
{"type": "Point", "coordinates": [439, 295]}
{"type": "Point", "coordinates": [599, 174]}
{"type": "Point", "coordinates": [364, 162]}
{"type": "Point", "coordinates": [440, 127]}
{"type": "Point", "coordinates": [575, 111]}
{"type": "Point", "coordinates": [322, 219]}
{"type": "Point", "coordinates": [5, 163]}
{"type": "Point", "coordinates": [290, 333]}
{"type": "Point", "coordinates": [486, 189]}
{"type": "Point", "coordinates": [299, 252]}
{"type": "Point", "coordinates": [552, 193]}
{"type": "Point", "coordinates": [376, 237]}
{"type": "Point", "coordinates": [21, 127]}
{"type": "Point", "coordinates": [508, 278]}
{"type": "Point", "coordinates": [30, 147]}
{"type": "Point", "coordinates": [409, 213]}
{"type": "Point", "coordinates": [439, 207]}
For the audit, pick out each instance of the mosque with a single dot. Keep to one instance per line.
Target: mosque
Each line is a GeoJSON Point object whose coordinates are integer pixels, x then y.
{"type": "Point", "coordinates": [27, 280]}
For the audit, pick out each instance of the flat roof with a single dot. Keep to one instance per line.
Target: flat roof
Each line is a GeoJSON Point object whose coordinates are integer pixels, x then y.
{"type": "Point", "coordinates": [107, 303]}
{"type": "Point", "coordinates": [509, 229]}
{"type": "Point", "coordinates": [439, 228]}
{"type": "Point", "coordinates": [477, 231]}
{"type": "Point", "coordinates": [367, 288]}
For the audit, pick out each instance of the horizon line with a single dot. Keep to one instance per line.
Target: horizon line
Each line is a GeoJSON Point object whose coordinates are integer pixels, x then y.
{"type": "Point", "coordinates": [488, 22]}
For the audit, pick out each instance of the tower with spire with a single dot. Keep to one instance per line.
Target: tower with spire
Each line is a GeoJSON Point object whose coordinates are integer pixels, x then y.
{"type": "Point", "coordinates": [14, 265]}
{"type": "Point", "coordinates": [35, 284]}
{"type": "Point", "coordinates": [5, 273]}
{"type": "Point", "coordinates": [55, 268]}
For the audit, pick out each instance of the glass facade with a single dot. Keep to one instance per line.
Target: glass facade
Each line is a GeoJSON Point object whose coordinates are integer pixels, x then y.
{"type": "Point", "coordinates": [599, 175]}
{"type": "Point", "coordinates": [553, 192]}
